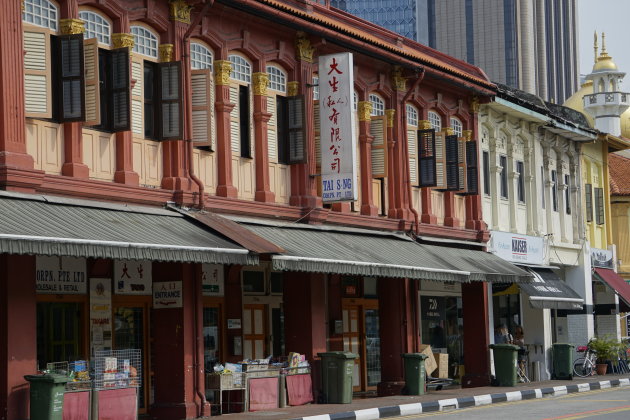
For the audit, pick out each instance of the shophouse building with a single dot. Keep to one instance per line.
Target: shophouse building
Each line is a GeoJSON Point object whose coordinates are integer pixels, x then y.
{"type": "Point", "coordinates": [160, 164]}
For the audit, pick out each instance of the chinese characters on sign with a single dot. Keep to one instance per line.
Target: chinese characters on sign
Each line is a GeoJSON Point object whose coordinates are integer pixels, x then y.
{"type": "Point", "coordinates": [167, 294]}
{"type": "Point", "coordinates": [212, 279]}
{"type": "Point", "coordinates": [338, 141]}
{"type": "Point", "coordinates": [132, 277]}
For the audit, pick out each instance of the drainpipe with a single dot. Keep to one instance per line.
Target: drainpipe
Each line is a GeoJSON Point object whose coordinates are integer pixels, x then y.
{"type": "Point", "coordinates": [406, 180]}
{"type": "Point", "coordinates": [198, 352]}
{"type": "Point", "coordinates": [187, 90]}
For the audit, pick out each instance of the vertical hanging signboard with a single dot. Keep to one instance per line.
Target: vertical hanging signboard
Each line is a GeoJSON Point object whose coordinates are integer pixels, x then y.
{"type": "Point", "coordinates": [338, 140]}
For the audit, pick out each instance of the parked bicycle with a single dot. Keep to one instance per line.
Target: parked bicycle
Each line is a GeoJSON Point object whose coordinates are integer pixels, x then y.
{"type": "Point", "coordinates": [585, 365]}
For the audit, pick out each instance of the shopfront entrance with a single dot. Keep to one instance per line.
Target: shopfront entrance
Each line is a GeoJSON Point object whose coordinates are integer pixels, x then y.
{"type": "Point", "coordinates": [361, 337]}
{"type": "Point", "coordinates": [60, 329]}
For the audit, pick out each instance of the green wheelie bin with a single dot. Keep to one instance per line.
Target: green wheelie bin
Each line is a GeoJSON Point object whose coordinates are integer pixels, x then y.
{"type": "Point", "coordinates": [415, 375]}
{"type": "Point", "coordinates": [563, 361]}
{"type": "Point", "coordinates": [47, 396]}
{"type": "Point", "coordinates": [337, 370]}
{"type": "Point", "coordinates": [505, 363]}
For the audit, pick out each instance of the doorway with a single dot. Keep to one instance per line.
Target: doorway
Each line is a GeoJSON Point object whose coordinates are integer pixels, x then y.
{"type": "Point", "coordinates": [254, 331]}
{"type": "Point", "coordinates": [60, 332]}
{"type": "Point", "coordinates": [361, 336]}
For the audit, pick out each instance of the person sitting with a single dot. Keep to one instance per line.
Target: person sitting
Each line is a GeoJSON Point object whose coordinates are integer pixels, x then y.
{"type": "Point", "coordinates": [501, 335]}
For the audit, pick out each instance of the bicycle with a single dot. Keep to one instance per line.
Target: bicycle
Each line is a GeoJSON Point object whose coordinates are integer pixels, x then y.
{"type": "Point", "coordinates": [584, 366]}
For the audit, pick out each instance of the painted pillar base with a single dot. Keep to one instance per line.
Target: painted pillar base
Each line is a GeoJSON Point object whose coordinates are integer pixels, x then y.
{"type": "Point", "coordinates": [76, 170]}
{"type": "Point", "coordinates": [127, 177]}
{"type": "Point", "coordinates": [228, 191]}
{"type": "Point", "coordinates": [265, 196]}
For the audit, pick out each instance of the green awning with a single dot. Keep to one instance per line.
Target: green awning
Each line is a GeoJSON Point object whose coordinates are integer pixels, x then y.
{"type": "Point", "coordinates": [43, 225]}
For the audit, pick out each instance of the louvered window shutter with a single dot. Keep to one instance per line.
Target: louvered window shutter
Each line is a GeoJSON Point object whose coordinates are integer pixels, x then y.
{"type": "Point", "coordinates": [170, 101]}
{"type": "Point", "coordinates": [317, 130]}
{"type": "Point", "coordinates": [588, 196]}
{"type": "Point", "coordinates": [137, 96]}
{"type": "Point", "coordinates": [121, 83]}
{"type": "Point", "coordinates": [37, 77]}
{"type": "Point", "coordinates": [92, 87]}
{"type": "Point", "coordinates": [235, 124]}
{"type": "Point", "coordinates": [440, 161]}
{"type": "Point", "coordinates": [461, 164]}
{"type": "Point", "coordinates": [412, 150]}
{"type": "Point", "coordinates": [245, 105]}
{"type": "Point", "coordinates": [69, 78]}
{"type": "Point", "coordinates": [452, 162]}
{"type": "Point", "coordinates": [282, 129]}
{"type": "Point", "coordinates": [297, 135]}
{"type": "Point", "coordinates": [273, 129]}
{"type": "Point", "coordinates": [599, 202]}
{"type": "Point", "coordinates": [378, 127]}
{"type": "Point", "coordinates": [472, 168]}
{"type": "Point", "coordinates": [426, 158]}
{"type": "Point", "coordinates": [201, 107]}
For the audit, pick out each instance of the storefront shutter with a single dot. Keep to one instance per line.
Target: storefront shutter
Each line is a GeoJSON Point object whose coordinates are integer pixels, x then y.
{"type": "Point", "coordinates": [92, 87]}
{"type": "Point", "coordinates": [297, 135]}
{"type": "Point", "coordinates": [427, 158]}
{"type": "Point", "coordinates": [137, 96]}
{"type": "Point", "coordinates": [472, 168]}
{"type": "Point", "coordinates": [272, 130]}
{"type": "Point", "coordinates": [170, 100]}
{"type": "Point", "coordinates": [69, 78]}
{"type": "Point", "coordinates": [412, 150]}
{"type": "Point", "coordinates": [201, 107]}
{"type": "Point", "coordinates": [235, 123]}
{"type": "Point", "coordinates": [378, 127]}
{"type": "Point", "coordinates": [121, 84]}
{"type": "Point", "coordinates": [37, 77]}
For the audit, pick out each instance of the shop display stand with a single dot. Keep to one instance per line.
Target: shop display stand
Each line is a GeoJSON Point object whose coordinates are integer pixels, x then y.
{"type": "Point", "coordinates": [117, 378]}
{"type": "Point", "coordinates": [219, 382]}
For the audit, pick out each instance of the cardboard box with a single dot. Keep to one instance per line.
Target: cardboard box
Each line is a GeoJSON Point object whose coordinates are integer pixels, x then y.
{"type": "Point", "coordinates": [442, 365]}
{"type": "Point", "coordinates": [430, 365]}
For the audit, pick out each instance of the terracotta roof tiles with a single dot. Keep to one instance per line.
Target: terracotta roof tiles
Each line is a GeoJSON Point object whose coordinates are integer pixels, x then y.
{"type": "Point", "coordinates": [619, 168]}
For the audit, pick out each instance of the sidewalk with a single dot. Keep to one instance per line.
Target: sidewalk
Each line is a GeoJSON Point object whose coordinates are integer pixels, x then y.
{"type": "Point", "coordinates": [453, 398]}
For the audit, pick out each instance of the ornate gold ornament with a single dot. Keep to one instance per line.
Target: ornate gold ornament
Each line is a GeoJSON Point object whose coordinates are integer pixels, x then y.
{"type": "Point", "coordinates": [424, 125]}
{"type": "Point", "coordinates": [474, 104]}
{"type": "Point", "coordinates": [71, 26]}
{"type": "Point", "coordinates": [389, 114]}
{"type": "Point", "coordinates": [122, 40]}
{"type": "Point", "coordinates": [293, 88]}
{"type": "Point", "coordinates": [448, 131]}
{"type": "Point", "coordinates": [304, 50]}
{"type": "Point", "coordinates": [165, 52]}
{"type": "Point", "coordinates": [467, 134]}
{"type": "Point", "coordinates": [261, 82]}
{"type": "Point", "coordinates": [365, 110]}
{"type": "Point", "coordinates": [222, 70]}
{"type": "Point", "coordinates": [399, 82]}
{"type": "Point", "coordinates": [180, 11]}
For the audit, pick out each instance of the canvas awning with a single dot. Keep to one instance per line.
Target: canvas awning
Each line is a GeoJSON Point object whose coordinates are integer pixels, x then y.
{"type": "Point", "coordinates": [615, 282]}
{"type": "Point", "coordinates": [44, 225]}
{"type": "Point", "coordinates": [548, 291]}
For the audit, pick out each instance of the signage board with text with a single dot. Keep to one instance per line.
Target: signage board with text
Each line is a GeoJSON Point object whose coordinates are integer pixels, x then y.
{"type": "Point", "coordinates": [60, 275]}
{"type": "Point", "coordinates": [517, 248]}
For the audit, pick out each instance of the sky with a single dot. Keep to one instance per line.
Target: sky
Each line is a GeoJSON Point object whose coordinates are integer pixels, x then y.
{"type": "Point", "coordinates": [611, 17]}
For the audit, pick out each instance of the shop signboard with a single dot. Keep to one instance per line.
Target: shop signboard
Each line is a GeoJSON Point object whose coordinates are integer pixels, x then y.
{"type": "Point", "coordinates": [101, 314]}
{"type": "Point", "coordinates": [60, 275]}
{"type": "Point", "coordinates": [132, 277]}
{"type": "Point", "coordinates": [338, 139]}
{"type": "Point", "coordinates": [517, 248]}
{"type": "Point", "coordinates": [212, 280]}
{"type": "Point", "coordinates": [602, 258]}
{"type": "Point", "coordinates": [167, 294]}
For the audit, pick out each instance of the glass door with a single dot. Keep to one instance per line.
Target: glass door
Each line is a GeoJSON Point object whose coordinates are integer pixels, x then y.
{"type": "Point", "coordinates": [372, 348]}
{"type": "Point", "coordinates": [211, 337]}
{"type": "Point", "coordinates": [352, 341]}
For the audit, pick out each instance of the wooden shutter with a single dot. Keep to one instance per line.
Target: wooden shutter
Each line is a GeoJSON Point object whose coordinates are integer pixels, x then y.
{"type": "Point", "coordinates": [440, 161]}
{"type": "Point", "coordinates": [137, 96]}
{"type": "Point", "coordinates": [272, 130]}
{"type": "Point", "coordinates": [246, 104]}
{"type": "Point", "coordinates": [599, 203]}
{"type": "Point", "coordinates": [201, 107]}
{"type": "Point", "coordinates": [588, 196]}
{"type": "Point", "coordinates": [235, 123]}
{"type": "Point", "coordinates": [472, 168]}
{"type": "Point", "coordinates": [427, 158]}
{"type": "Point", "coordinates": [37, 77]}
{"type": "Point", "coordinates": [92, 87]}
{"type": "Point", "coordinates": [412, 150]}
{"type": "Point", "coordinates": [69, 78]}
{"type": "Point", "coordinates": [170, 101]}
{"type": "Point", "coordinates": [120, 89]}
{"type": "Point", "coordinates": [378, 127]}
{"type": "Point", "coordinates": [317, 130]}
{"type": "Point", "coordinates": [296, 125]}
{"type": "Point", "coordinates": [461, 164]}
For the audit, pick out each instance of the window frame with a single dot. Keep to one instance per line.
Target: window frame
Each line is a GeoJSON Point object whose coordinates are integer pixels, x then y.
{"type": "Point", "coordinates": [53, 8]}
{"type": "Point", "coordinates": [567, 194]}
{"type": "Point", "coordinates": [588, 202]}
{"type": "Point", "coordinates": [457, 126]}
{"type": "Point", "coordinates": [195, 56]}
{"type": "Point", "coordinates": [277, 78]}
{"type": "Point", "coordinates": [435, 120]}
{"type": "Point", "coordinates": [600, 216]}
{"type": "Point", "coordinates": [504, 190]}
{"type": "Point", "coordinates": [140, 33]}
{"type": "Point", "coordinates": [485, 157]}
{"type": "Point", "coordinates": [554, 190]}
{"type": "Point", "coordinates": [99, 21]}
{"type": "Point", "coordinates": [378, 105]}
{"type": "Point", "coordinates": [520, 169]}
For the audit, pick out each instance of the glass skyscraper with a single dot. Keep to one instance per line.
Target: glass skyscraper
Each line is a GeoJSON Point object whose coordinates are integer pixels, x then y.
{"type": "Point", "coordinates": [396, 15]}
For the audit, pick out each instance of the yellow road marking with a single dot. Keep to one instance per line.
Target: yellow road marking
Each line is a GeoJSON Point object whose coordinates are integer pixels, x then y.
{"type": "Point", "coordinates": [592, 413]}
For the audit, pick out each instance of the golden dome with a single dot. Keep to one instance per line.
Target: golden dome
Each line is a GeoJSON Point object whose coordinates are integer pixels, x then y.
{"type": "Point", "coordinates": [604, 63]}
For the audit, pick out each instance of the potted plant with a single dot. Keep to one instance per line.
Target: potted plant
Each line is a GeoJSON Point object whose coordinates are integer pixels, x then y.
{"type": "Point", "coordinates": [606, 350]}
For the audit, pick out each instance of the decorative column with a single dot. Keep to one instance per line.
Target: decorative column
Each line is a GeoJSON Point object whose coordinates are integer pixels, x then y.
{"type": "Point", "coordinates": [365, 152]}
{"type": "Point", "coordinates": [393, 166]}
{"type": "Point", "coordinates": [223, 107]}
{"type": "Point", "coordinates": [449, 196]}
{"type": "Point", "coordinates": [427, 215]}
{"type": "Point", "coordinates": [124, 139]}
{"type": "Point", "coordinates": [399, 208]}
{"type": "Point", "coordinates": [261, 147]}
{"type": "Point", "coordinates": [73, 131]}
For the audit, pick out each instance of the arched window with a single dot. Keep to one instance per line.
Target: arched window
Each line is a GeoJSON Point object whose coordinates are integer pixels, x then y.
{"type": "Point", "coordinates": [315, 83]}
{"type": "Point", "coordinates": [96, 27]}
{"type": "Point", "coordinates": [200, 57]}
{"type": "Point", "coordinates": [41, 13]}
{"type": "Point", "coordinates": [412, 115]}
{"type": "Point", "coordinates": [378, 105]}
{"type": "Point", "coordinates": [456, 125]}
{"type": "Point", "coordinates": [241, 69]}
{"type": "Point", "coordinates": [435, 121]}
{"type": "Point", "coordinates": [277, 79]}
{"type": "Point", "coordinates": [145, 42]}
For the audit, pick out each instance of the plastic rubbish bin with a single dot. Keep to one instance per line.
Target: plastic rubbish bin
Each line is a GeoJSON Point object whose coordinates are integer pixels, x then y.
{"type": "Point", "coordinates": [505, 363]}
{"type": "Point", "coordinates": [415, 375]}
{"type": "Point", "coordinates": [47, 396]}
{"type": "Point", "coordinates": [337, 370]}
{"type": "Point", "coordinates": [563, 361]}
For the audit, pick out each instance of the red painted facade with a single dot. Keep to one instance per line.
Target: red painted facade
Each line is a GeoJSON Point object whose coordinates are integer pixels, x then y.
{"type": "Point", "coordinates": [263, 31]}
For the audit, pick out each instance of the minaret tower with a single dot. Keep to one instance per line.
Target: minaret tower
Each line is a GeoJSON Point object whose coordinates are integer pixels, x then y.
{"type": "Point", "coordinates": [607, 102]}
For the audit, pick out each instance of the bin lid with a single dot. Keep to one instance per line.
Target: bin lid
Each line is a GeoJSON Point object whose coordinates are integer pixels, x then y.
{"type": "Point", "coordinates": [563, 345]}
{"type": "Point", "coordinates": [48, 377]}
{"type": "Point", "coordinates": [504, 347]}
{"type": "Point", "coordinates": [414, 356]}
{"type": "Point", "coordinates": [338, 354]}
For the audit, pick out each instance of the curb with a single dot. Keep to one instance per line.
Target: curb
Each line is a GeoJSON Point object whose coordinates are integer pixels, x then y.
{"type": "Point", "coordinates": [476, 401]}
